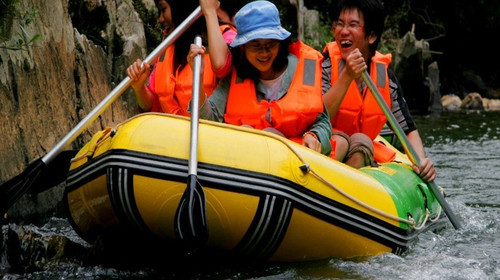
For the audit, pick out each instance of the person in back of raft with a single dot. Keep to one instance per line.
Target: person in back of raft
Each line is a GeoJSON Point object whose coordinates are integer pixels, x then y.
{"type": "Point", "coordinates": [355, 115]}
{"type": "Point", "coordinates": [275, 85]}
{"type": "Point", "coordinates": [221, 29]}
{"type": "Point", "coordinates": [169, 85]}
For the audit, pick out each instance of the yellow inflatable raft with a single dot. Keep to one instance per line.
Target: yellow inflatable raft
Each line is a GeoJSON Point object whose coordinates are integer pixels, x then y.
{"type": "Point", "coordinates": [267, 197]}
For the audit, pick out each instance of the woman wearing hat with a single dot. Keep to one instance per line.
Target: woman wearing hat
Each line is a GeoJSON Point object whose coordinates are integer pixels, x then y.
{"type": "Point", "coordinates": [275, 85]}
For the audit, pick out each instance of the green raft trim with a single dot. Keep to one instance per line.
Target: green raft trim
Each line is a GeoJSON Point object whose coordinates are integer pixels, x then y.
{"type": "Point", "coordinates": [407, 190]}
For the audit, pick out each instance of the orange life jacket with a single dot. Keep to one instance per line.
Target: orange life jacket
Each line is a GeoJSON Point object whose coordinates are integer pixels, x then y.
{"type": "Point", "coordinates": [295, 112]}
{"type": "Point", "coordinates": [361, 113]}
{"type": "Point", "coordinates": [174, 90]}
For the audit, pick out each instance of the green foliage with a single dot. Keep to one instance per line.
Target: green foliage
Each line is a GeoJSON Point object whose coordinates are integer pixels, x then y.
{"type": "Point", "coordinates": [21, 40]}
{"type": "Point", "coordinates": [324, 35]}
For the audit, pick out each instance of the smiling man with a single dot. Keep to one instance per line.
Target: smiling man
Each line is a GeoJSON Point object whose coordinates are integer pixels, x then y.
{"type": "Point", "coordinates": [355, 115]}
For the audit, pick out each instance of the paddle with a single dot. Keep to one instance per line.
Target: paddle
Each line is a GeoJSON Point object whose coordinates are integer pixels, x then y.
{"type": "Point", "coordinates": [13, 189]}
{"type": "Point", "coordinates": [407, 146]}
{"type": "Point", "coordinates": [190, 219]}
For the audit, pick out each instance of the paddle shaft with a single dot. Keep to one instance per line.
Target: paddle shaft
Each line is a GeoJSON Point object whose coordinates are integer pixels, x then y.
{"type": "Point", "coordinates": [410, 151]}
{"type": "Point", "coordinates": [119, 90]}
{"type": "Point", "coordinates": [193, 148]}
{"type": "Point", "coordinates": [190, 216]}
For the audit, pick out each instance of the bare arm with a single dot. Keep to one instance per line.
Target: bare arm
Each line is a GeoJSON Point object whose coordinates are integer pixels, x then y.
{"type": "Point", "coordinates": [322, 129]}
{"type": "Point", "coordinates": [426, 169]}
{"type": "Point", "coordinates": [218, 49]}
{"type": "Point", "coordinates": [355, 65]}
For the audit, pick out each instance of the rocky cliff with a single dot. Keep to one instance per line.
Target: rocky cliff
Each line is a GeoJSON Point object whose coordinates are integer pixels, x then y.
{"type": "Point", "coordinates": [48, 86]}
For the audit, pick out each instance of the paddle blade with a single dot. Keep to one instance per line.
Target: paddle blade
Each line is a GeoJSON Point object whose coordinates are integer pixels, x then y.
{"type": "Point", "coordinates": [37, 177]}
{"type": "Point", "coordinates": [190, 218]}
{"type": "Point", "coordinates": [13, 189]}
{"type": "Point", "coordinates": [55, 173]}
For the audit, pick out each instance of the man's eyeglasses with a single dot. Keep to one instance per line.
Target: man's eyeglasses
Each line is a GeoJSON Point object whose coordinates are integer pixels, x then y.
{"type": "Point", "coordinates": [266, 47]}
{"type": "Point", "coordinates": [351, 26]}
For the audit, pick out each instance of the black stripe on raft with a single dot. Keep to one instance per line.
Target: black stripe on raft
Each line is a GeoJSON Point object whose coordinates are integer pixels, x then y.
{"type": "Point", "coordinates": [241, 181]}
{"type": "Point", "coordinates": [267, 229]}
{"type": "Point", "coordinates": [121, 194]}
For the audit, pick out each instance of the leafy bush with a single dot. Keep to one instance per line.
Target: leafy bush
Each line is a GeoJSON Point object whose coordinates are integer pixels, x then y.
{"type": "Point", "coordinates": [10, 14]}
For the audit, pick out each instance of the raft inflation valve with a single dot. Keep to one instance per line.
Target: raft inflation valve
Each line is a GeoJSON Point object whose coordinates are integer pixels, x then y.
{"type": "Point", "coordinates": [305, 168]}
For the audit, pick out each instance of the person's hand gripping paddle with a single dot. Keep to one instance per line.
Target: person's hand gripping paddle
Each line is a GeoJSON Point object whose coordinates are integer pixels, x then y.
{"type": "Point", "coordinates": [190, 219]}
{"type": "Point", "coordinates": [410, 151]}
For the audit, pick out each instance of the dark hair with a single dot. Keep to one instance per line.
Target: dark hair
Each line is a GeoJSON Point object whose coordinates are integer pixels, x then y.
{"type": "Point", "coordinates": [180, 11]}
{"type": "Point", "coordinates": [373, 13]}
{"type": "Point", "coordinates": [246, 70]}
{"type": "Point", "coordinates": [231, 7]}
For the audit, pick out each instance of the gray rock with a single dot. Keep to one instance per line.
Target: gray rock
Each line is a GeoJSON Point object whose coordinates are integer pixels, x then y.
{"type": "Point", "coordinates": [48, 86]}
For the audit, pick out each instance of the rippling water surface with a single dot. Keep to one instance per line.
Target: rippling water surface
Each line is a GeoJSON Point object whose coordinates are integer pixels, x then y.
{"type": "Point", "coordinates": [466, 150]}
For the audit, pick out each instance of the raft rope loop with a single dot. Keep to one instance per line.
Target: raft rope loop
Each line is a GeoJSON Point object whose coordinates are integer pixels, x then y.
{"type": "Point", "coordinates": [305, 168]}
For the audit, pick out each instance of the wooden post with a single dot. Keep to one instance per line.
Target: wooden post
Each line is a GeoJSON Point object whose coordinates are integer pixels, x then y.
{"type": "Point", "coordinates": [299, 4]}
{"type": "Point", "coordinates": [434, 88]}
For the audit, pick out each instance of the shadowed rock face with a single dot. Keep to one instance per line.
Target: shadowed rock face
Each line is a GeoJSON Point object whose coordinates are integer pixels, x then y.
{"type": "Point", "coordinates": [47, 87]}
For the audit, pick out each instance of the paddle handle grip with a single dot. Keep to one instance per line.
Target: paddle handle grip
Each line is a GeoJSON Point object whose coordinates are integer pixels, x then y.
{"type": "Point", "coordinates": [193, 148]}
{"type": "Point", "coordinates": [119, 90]}
{"type": "Point", "coordinates": [410, 151]}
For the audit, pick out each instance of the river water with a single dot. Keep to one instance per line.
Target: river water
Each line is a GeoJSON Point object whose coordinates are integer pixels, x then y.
{"type": "Point", "coordinates": [465, 147]}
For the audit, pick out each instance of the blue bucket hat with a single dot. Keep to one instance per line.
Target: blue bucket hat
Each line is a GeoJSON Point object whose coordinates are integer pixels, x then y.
{"type": "Point", "coordinates": [258, 20]}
